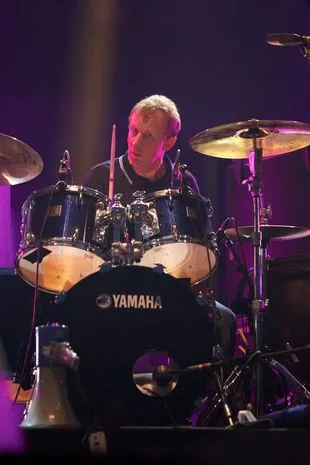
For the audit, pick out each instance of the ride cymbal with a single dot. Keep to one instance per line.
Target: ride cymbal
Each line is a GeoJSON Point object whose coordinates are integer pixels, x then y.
{"type": "Point", "coordinates": [275, 232]}
{"type": "Point", "coordinates": [235, 140]}
{"type": "Point", "coordinates": [18, 162]}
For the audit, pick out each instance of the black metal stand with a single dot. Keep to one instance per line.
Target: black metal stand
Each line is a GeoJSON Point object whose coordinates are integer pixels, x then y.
{"type": "Point", "coordinates": [258, 302]}
{"type": "Point", "coordinates": [305, 51]}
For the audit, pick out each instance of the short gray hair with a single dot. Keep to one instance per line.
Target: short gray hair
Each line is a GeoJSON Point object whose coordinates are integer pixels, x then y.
{"type": "Point", "coordinates": [160, 102]}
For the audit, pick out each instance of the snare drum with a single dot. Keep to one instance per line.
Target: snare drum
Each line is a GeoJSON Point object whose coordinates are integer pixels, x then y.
{"type": "Point", "coordinates": [71, 246]}
{"type": "Point", "coordinates": [180, 238]}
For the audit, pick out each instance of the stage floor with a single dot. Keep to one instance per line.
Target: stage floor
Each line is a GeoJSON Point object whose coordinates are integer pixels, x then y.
{"type": "Point", "coordinates": [174, 445]}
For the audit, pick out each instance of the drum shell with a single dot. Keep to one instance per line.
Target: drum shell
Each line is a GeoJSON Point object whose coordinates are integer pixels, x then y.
{"type": "Point", "coordinates": [72, 212]}
{"type": "Point", "coordinates": [62, 221]}
{"type": "Point", "coordinates": [182, 237]}
{"type": "Point", "coordinates": [184, 211]}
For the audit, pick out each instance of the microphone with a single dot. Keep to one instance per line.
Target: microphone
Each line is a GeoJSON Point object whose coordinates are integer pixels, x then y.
{"type": "Point", "coordinates": [223, 226]}
{"type": "Point", "coordinates": [163, 375]}
{"type": "Point", "coordinates": [287, 39]}
{"type": "Point", "coordinates": [64, 170]}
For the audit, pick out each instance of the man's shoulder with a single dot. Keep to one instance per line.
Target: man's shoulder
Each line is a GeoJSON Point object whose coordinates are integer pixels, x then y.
{"type": "Point", "coordinates": [105, 165]}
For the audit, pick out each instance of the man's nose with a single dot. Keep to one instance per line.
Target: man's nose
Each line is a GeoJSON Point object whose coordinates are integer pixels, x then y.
{"type": "Point", "coordinates": [137, 140]}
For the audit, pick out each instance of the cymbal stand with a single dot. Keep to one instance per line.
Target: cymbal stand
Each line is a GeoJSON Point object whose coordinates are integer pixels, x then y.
{"type": "Point", "coordinates": [258, 302]}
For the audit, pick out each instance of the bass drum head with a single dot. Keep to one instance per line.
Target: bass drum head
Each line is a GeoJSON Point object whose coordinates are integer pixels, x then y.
{"type": "Point", "coordinates": [63, 266]}
{"type": "Point", "coordinates": [114, 318]}
{"type": "Point", "coordinates": [182, 260]}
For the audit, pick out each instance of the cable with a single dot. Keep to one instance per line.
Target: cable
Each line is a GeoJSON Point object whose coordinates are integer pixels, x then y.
{"type": "Point", "coordinates": [35, 295]}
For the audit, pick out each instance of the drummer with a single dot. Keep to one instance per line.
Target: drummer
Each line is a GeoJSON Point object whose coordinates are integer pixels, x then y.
{"type": "Point", "coordinates": [154, 125]}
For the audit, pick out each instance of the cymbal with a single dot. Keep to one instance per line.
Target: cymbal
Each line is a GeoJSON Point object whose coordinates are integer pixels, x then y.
{"type": "Point", "coordinates": [18, 162]}
{"type": "Point", "coordinates": [275, 232]}
{"type": "Point", "coordinates": [235, 140]}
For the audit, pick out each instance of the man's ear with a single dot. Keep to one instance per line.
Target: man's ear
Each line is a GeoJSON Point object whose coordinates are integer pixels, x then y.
{"type": "Point", "coordinates": [169, 143]}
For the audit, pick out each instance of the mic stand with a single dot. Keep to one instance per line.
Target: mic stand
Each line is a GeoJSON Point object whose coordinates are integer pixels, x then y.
{"type": "Point", "coordinates": [207, 300]}
{"type": "Point", "coordinates": [183, 184]}
{"type": "Point", "coordinates": [305, 50]}
{"type": "Point", "coordinates": [222, 392]}
{"type": "Point", "coordinates": [222, 237]}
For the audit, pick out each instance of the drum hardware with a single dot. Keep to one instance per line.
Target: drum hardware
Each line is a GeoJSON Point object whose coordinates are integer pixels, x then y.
{"type": "Point", "coordinates": [205, 297]}
{"type": "Point", "coordinates": [183, 184]}
{"type": "Point", "coordinates": [159, 380]}
{"type": "Point", "coordinates": [265, 215]}
{"type": "Point", "coordinates": [75, 234]}
{"type": "Point", "coordinates": [118, 219]}
{"type": "Point", "coordinates": [254, 140]}
{"type": "Point", "coordinates": [64, 170]}
{"type": "Point", "coordinates": [223, 236]}
{"type": "Point", "coordinates": [112, 163]}
{"type": "Point", "coordinates": [170, 201]}
{"type": "Point", "coordinates": [291, 40]}
{"type": "Point", "coordinates": [174, 231]}
{"type": "Point", "coordinates": [141, 219]}
{"type": "Point", "coordinates": [131, 250]}
{"type": "Point", "coordinates": [241, 367]}
{"type": "Point", "coordinates": [290, 377]}
{"type": "Point", "coordinates": [175, 171]}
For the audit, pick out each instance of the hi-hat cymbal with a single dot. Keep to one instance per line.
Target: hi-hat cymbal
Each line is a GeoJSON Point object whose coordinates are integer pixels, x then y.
{"type": "Point", "coordinates": [18, 162]}
{"type": "Point", "coordinates": [235, 140]}
{"type": "Point", "coordinates": [275, 232]}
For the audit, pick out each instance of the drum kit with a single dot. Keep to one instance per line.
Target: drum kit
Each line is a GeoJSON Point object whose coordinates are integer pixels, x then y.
{"type": "Point", "coordinates": [122, 277]}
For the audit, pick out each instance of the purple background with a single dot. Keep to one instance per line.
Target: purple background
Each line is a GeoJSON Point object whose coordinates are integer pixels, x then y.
{"type": "Point", "coordinates": [70, 69]}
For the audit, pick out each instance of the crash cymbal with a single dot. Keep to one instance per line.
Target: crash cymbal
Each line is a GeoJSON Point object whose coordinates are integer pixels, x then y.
{"type": "Point", "coordinates": [18, 162]}
{"type": "Point", "coordinates": [275, 232]}
{"type": "Point", "coordinates": [235, 140]}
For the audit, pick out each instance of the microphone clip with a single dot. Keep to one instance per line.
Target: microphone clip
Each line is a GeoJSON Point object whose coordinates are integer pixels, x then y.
{"type": "Point", "coordinates": [64, 170]}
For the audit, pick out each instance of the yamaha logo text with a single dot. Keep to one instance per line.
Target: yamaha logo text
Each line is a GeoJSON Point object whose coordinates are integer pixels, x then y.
{"type": "Point", "coordinates": [135, 301]}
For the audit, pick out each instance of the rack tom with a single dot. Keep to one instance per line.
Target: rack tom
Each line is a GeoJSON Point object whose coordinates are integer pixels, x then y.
{"type": "Point", "coordinates": [58, 229]}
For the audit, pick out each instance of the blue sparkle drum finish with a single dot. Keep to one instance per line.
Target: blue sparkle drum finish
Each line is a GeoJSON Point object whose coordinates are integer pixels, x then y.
{"type": "Point", "coordinates": [62, 220]}
{"type": "Point", "coordinates": [180, 238]}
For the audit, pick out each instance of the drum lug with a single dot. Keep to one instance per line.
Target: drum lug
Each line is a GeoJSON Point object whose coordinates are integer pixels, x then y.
{"type": "Point", "coordinates": [75, 234]}
{"type": "Point", "coordinates": [116, 253]}
{"type": "Point", "coordinates": [137, 251]}
{"type": "Point", "coordinates": [174, 232]}
{"type": "Point", "coordinates": [30, 240]}
{"type": "Point", "coordinates": [155, 229]}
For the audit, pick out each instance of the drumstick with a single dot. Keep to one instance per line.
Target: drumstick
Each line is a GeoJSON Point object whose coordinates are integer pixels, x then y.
{"type": "Point", "coordinates": [112, 163]}
{"type": "Point", "coordinates": [243, 337]}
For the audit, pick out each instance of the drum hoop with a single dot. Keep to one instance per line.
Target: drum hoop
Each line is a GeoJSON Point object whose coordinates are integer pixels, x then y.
{"type": "Point", "coordinates": [71, 188]}
{"type": "Point", "coordinates": [170, 192]}
{"type": "Point", "coordinates": [173, 240]}
{"type": "Point", "coordinates": [61, 241]}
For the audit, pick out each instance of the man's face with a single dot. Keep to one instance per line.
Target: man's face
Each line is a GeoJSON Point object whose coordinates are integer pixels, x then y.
{"type": "Point", "coordinates": [147, 141]}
